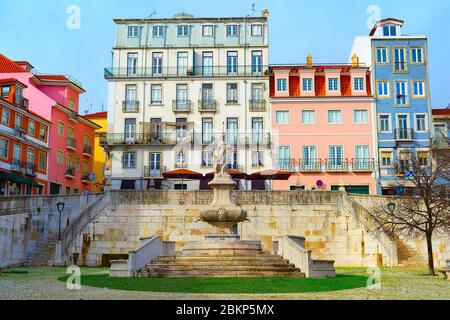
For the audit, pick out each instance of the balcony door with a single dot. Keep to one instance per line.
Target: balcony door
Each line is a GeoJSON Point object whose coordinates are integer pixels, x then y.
{"type": "Point", "coordinates": [257, 130]}
{"type": "Point", "coordinates": [283, 157]}
{"type": "Point", "coordinates": [257, 62]}
{"type": "Point", "coordinates": [335, 156]}
{"type": "Point", "coordinates": [207, 130]}
{"type": "Point", "coordinates": [157, 63]}
{"type": "Point", "coordinates": [181, 97]}
{"type": "Point", "coordinates": [17, 155]}
{"type": "Point", "coordinates": [130, 129]}
{"type": "Point", "coordinates": [402, 125]}
{"type": "Point", "coordinates": [182, 63]}
{"type": "Point", "coordinates": [362, 155]}
{"type": "Point", "coordinates": [207, 95]}
{"type": "Point", "coordinates": [207, 63]}
{"type": "Point", "coordinates": [155, 164]}
{"type": "Point", "coordinates": [232, 60]}
{"type": "Point", "coordinates": [232, 131]}
{"type": "Point", "coordinates": [132, 62]}
{"type": "Point", "coordinates": [130, 97]}
{"type": "Point", "coordinates": [309, 154]}
{"type": "Point", "coordinates": [181, 130]}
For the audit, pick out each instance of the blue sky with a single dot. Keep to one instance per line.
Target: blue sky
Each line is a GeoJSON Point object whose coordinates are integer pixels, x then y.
{"type": "Point", "coordinates": [36, 31]}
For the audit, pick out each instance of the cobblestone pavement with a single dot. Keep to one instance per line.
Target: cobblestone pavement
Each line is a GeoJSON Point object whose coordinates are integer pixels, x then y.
{"type": "Point", "coordinates": [42, 283]}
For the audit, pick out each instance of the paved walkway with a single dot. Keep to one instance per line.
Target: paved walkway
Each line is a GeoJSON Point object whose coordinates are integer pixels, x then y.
{"type": "Point", "coordinates": [42, 283]}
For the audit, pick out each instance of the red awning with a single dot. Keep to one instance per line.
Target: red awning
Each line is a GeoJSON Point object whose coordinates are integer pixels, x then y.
{"type": "Point", "coordinates": [271, 175]}
{"type": "Point", "coordinates": [182, 174]}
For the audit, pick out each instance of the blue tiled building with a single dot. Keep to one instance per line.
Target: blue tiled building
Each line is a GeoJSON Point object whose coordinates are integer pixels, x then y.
{"type": "Point", "coordinates": [399, 65]}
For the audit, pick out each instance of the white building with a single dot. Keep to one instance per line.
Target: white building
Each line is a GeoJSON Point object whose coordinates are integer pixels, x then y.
{"type": "Point", "coordinates": [179, 85]}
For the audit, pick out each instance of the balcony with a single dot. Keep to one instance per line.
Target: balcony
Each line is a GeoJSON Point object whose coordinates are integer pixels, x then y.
{"type": "Point", "coordinates": [401, 169]}
{"type": "Point", "coordinates": [73, 116]}
{"type": "Point", "coordinates": [400, 67]}
{"type": "Point", "coordinates": [285, 164]}
{"type": "Point", "coordinates": [181, 165]}
{"type": "Point", "coordinates": [363, 165]}
{"type": "Point", "coordinates": [187, 72]}
{"type": "Point", "coordinates": [181, 106]}
{"type": "Point", "coordinates": [87, 150]}
{"type": "Point", "coordinates": [440, 143]}
{"type": "Point", "coordinates": [404, 135]}
{"type": "Point", "coordinates": [71, 143]}
{"type": "Point", "coordinates": [151, 172]}
{"type": "Point", "coordinates": [19, 132]}
{"type": "Point", "coordinates": [16, 165]}
{"type": "Point", "coordinates": [337, 165]}
{"type": "Point", "coordinates": [257, 105]}
{"type": "Point", "coordinates": [85, 177]}
{"type": "Point", "coordinates": [131, 106]}
{"type": "Point", "coordinates": [209, 105]}
{"type": "Point", "coordinates": [70, 172]}
{"type": "Point", "coordinates": [310, 165]}
{"type": "Point", "coordinates": [148, 139]}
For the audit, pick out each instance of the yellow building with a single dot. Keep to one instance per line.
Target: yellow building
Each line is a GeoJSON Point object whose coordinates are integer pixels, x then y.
{"type": "Point", "coordinates": [99, 118]}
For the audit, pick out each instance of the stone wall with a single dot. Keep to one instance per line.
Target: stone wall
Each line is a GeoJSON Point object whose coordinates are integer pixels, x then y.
{"type": "Point", "coordinates": [27, 222]}
{"type": "Point", "coordinates": [335, 226]}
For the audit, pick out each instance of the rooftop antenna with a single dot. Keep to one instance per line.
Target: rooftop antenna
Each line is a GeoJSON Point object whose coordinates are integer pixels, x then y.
{"type": "Point", "coordinates": [253, 9]}
{"type": "Point", "coordinates": [153, 14]}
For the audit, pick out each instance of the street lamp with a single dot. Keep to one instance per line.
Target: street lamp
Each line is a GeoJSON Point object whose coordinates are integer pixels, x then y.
{"type": "Point", "coordinates": [60, 207]}
{"type": "Point", "coordinates": [391, 207]}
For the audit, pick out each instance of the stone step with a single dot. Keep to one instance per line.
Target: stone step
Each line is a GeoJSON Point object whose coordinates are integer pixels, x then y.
{"type": "Point", "coordinates": [213, 263]}
{"type": "Point", "coordinates": [183, 258]}
{"type": "Point", "coordinates": [203, 268]}
{"type": "Point", "coordinates": [222, 274]}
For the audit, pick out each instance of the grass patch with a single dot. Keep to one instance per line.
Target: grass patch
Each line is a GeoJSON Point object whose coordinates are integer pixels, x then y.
{"type": "Point", "coordinates": [225, 285]}
{"type": "Point", "coordinates": [14, 271]}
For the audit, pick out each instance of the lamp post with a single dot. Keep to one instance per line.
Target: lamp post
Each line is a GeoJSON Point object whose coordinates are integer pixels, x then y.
{"type": "Point", "coordinates": [391, 207]}
{"type": "Point", "coordinates": [60, 207]}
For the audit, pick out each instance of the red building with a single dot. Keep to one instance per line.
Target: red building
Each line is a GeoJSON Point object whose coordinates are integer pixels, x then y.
{"type": "Point", "coordinates": [23, 143]}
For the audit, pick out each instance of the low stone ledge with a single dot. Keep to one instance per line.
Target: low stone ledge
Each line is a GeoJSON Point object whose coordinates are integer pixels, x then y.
{"type": "Point", "coordinates": [119, 269]}
{"type": "Point", "coordinates": [444, 273]}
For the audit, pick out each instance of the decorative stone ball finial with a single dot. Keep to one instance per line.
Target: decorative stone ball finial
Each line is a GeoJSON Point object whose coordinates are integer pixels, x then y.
{"type": "Point", "coordinates": [355, 61]}
{"type": "Point", "coordinates": [309, 60]}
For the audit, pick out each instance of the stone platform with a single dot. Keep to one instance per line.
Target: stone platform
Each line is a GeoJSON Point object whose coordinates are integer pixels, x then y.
{"type": "Point", "coordinates": [221, 258]}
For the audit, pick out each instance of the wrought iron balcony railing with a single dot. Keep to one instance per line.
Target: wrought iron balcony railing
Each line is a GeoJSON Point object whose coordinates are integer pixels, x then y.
{"type": "Point", "coordinates": [285, 164]}
{"type": "Point", "coordinates": [363, 165]}
{"type": "Point", "coordinates": [151, 139]}
{"type": "Point", "coordinates": [337, 165]}
{"type": "Point", "coordinates": [209, 105]}
{"type": "Point", "coordinates": [404, 134]}
{"type": "Point", "coordinates": [257, 105]}
{"type": "Point", "coordinates": [87, 150]}
{"type": "Point", "coordinates": [310, 165]}
{"type": "Point", "coordinates": [152, 172]}
{"type": "Point", "coordinates": [71, 143]}
{"type": "Point", "coordinates": [441, 143]}
{"type": "Point", "coordinates": [70, 172]}
{"type": "Point", "coordinates": [130, 106]}
{"type": "Point", "coordinates": [192, 72]}
{"type": "Point", "coordinates": [181, 106]}
{"type": "Point", "coordinates": [85, 177]}
{"type": "Point", "coordinates": [73, 116]}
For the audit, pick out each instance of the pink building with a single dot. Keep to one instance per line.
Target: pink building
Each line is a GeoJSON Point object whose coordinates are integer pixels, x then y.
{"type": "Point", "coordinates": [322, 122]}
{"type": "Point", "coordinates": [71, 136]}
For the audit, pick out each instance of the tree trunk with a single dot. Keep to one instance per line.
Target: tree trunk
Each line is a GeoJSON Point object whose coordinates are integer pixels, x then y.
{"type": "Point", "coordinates": [430, 255]}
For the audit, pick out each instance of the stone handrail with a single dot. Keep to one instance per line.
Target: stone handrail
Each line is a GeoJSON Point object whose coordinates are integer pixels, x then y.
{"type": "Point", "coordinates": [293, 249]}
{"type": "Point", "coordinates": [145, 253]}
{"type": "Point", "coordinates": [85, 217]}
{"type": "Point", "coordinates": [364, 217]}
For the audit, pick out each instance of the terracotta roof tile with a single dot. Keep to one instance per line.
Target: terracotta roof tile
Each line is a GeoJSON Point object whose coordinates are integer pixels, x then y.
{"type": "Point", "coordinates": [9, 66]}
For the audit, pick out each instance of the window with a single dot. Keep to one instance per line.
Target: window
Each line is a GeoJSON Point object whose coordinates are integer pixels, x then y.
{"type": "Point", "coordinates": [419, 88]}
{"type": "Point", "coordinates": [128, 160]}
{"type": "Point", "coordinates": [333, 84]}
{"type": "Point", "coordinates": [133, 31]}
{"type": "Point", "coordinates": [157, 63]}
{"type": "Point", "coordinates": [158, 31]}
{"type": "Point", "coordinates": [19, 96]}
{"type": "Point", "coordinates": [4, 145]}
{"type": "Point", "coordinates": [307, 84]}
{"type": "Point", "coordinates": [416, 55]}
{"type": "Point", "coordinates": [207, 130]}
{"type": "Point", "coordinates": [282, 117]}
{"type": "Point", "coordinates": [360, 117]}
{"type": "Point", "coordinates": [77, 164]}
{"type": "Point", "coordinates": [399, 60]}
{"type": "Point", "coordinates": [208, 31]}
{"type": "Point", "coordinates": [232, 60]}
{"type": "Point", "coordinates": [156, 94]}
{"type": "Point", "coordinates": [85, 166]}
{"type": "Point", "coordinates": [421, 122]}
{"type": "Point", "coordinates": [257, 130]}
{"type": "Point", "coordinates": [18, 121]}
{"type": "Point", "coordinates": [382, 56]}
{"type": "Point", "coordinates": [359, 84]}
{"type": "Point", "coordinates": [257, 96]}
{"type": "Point", "coordinates": [385, 123]}
{"type": "Point", "coordinates": [362, 153]}
{"type": "Point", "coordinates": [182, 63]}
{"type": "Point", "coordinates": [31, 128]}
{"type": "Point", "coordinates": [256, 62]}
{"type": "Point", "coordinates": [207, 63]}
{"type": "Point", "coordinates": [5, 91]}
{"type": "Point", "coordinates": [232, 93]}
{"type": "Point", "coordinates": [308, 117]}
{"type": "Point", "coordinates": [283, 157]}
{"type": "Point", "coordinates": [207, 159]}
{"type": "Point", "coordinates": [232, 30]}
{"type": "Point", "coordinates": [386, 158]}
{"type": "Point", "coordinates": [132, 61]}
{"type": "Point", "coordinates": [232, 131]}
{"type": "Point", "coordinates": [59, 157]}
{"type": "Point", "coordinates": [180, 160]}
{"type": "Point", "coordinates": [383, 89]}
{"type": "Point", "coordinates": [233, 161]}
{"type": "Point", "coordinates": [71, 104]}
{"type": "Point", "coordinates": [281, 85]}
{"type": "Point", "coordinates": [422, 157]}
{"type": "Point", "coordinates": [257, 159]}
{"type": "Point", "coordinates": [183, 31]}
{"type": "Point", "coordinates": [5, 116]}
{"type": "Point", "coordinates": [182, 97]}
{"type": "Point", "coordinates": [67, 190]}
{"type": "Point", "coordinates": [334, 117]}
{"type": "Point", "coordinates": [257, 30]}
{"type": "Point", "coordinates": [309, 156]}
{"type": "Point", "coordinates": [130, 128]}
{"type": "Point", "coordinates": [60, 129]}
{"type": "Point", "coordinates": [401, 93]}
{"type": "Point", "coordinates": [335, 154]}
{"type": "Point", "coordinates": [43, 133]}
{"type": "Point", "coordinates": [389, 31]}
{"type": "Point", "coordinates": [42, 164]}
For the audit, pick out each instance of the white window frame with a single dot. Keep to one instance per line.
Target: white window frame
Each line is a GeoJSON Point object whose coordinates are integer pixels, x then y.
{"type": "Point", "coordinates": [385, 49]}
{"type": "Point", "coordinates": [389, 122]}
{"type": "Point", "coordinates": [359, 84]}
{"type": "Point", "coordinates": [288, 117]}
{"type": "Point", "coordinates": [254, 28]}
{"type": "Point", "coordinates": [314, 119]}
{"type": "Point", "coordinates": [136, 33]}
{"type": "Point", "coordinates": [422, 84]}
{"type": "Point", "coordinates": [388, 93]}
{"type": "Point", "coordinates": [335, 123]}
{"type": "Point", "coordinates": [362, 122]}
{"type": "Point", "coordinates": [425, 122]}
{"type": "Point", "coordinates": [126, 161]}
{"type": "Point", "coordinates": [152, 102]}
{"type": "Point", "coordinates": [333, 89]}
{"type": "Point", "coordinates": [209, 28]}
{"type": "Point", "coordinates": [6, 148]}
{"type": "Point", "coordinates": [391, 165]}
{"type": "Point", "coordinates": [160, 33]}
{"type": "Point", "coordinates": [309, 82]}
{"type": "Point", "coordinates": [235, 26]}
{"type": "Point", "coordinates": [421, 49]}
{"type": "Point", "coordinates": [282, 85]}
{"type": "Point", "coordinates": [184, 27]}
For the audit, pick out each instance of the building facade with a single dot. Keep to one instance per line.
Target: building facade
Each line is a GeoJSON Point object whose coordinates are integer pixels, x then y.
{"type": "Point", "coordinates": [101, 162]}
{"type": "Point", "coordinates": [399, 65]}
{"type": "Point", "coordinates": [322, 120]}
{"type": "Point", "coordinates": [23, 143]}
{"type": "Point", "coordinates": [71, 136]}
{"type": "Point", "coordinates": [441, 132]}
{"type": "Point", "coordinates": [177, 86]}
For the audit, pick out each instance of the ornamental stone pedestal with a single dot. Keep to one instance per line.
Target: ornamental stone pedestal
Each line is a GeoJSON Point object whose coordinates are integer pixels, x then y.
{"type": "Point", "coordinates": [222, 213]}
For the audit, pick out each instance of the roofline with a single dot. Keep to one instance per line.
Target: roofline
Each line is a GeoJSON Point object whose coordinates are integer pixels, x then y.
{"type": "Point", "coordinates": [51, 82]}
{"type": "Point", "coordinates": [193, 19]}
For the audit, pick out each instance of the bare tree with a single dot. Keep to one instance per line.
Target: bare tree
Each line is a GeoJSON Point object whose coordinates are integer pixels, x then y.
{"type": "Point", "coordinates": [424, 210]}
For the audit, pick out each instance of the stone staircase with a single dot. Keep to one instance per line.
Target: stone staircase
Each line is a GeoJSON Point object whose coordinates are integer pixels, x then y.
{"type": "Point", "coordinates": [407, 255]}
{"type": "Point", "coordinates": [45, 253]}
{"type": "Point", "coordinates": [221, 259]}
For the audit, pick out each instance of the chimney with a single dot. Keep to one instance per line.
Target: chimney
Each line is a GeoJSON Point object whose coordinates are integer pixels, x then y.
{"type": "Point", "coordinates": [24, 65]}
{"type": "Point", "coordinates": [309, 60]}
{"type": "Point", "coordinates": [355, 61]}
